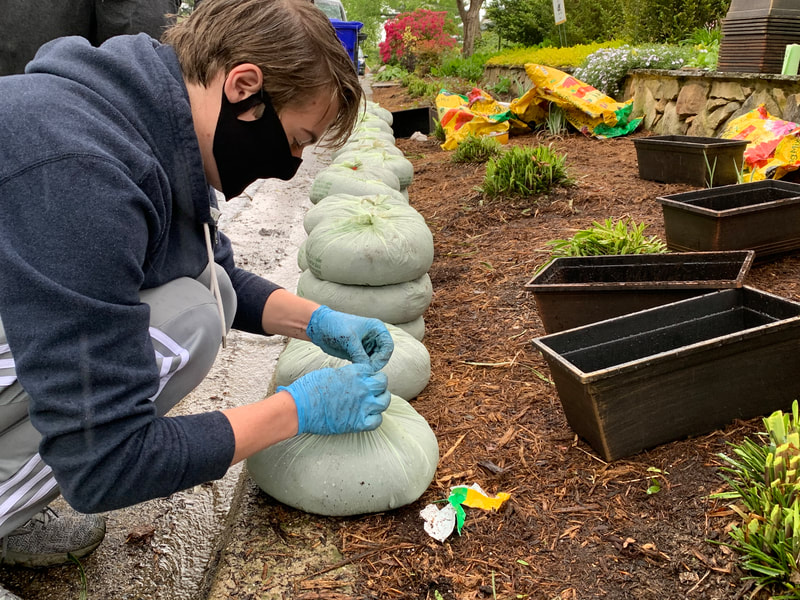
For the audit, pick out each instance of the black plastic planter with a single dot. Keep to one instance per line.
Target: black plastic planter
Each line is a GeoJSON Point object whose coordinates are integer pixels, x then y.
{"type": "Point", "coordinates": [763, 216]}
{"type": "Point", "coordinates": [699, 161]}
{"type": "Point", "coordinates": [406, 122]}
{"type": "Point", "coordinates": [575, 291]}
{"type": "Point", "coordinates": [682, 369]}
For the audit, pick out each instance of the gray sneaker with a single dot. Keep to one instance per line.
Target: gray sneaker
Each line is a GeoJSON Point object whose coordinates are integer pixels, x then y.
{"type": "Point", "coordinates": [6, 595]}
{"type": "Point", "coordinates": [49, 538]}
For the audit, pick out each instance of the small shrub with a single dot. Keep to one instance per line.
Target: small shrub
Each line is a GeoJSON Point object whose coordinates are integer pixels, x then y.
{"type": "Point", "coordinates": [622, 237]}
{"type": "Point", "coordinates": [606, 69]}
{"type": "Point", "coordinates": [426, 29]}
{"type": "Point", "coordinates": [438, 131]}
{"type": "Point", "coordinates": [390, 72]}
{"type": "Point", "coordinates": [525, 171]}
{"type": "Point", "coordinates": [705, 45]}
{"type": "Point", "coordinates": [469, 68]}
{"type": "Point", "coordinates": [476, 149]}
{"type": "Point", "coordinates": [502, 87]}
{"type": "Point", "coordinates": [554, 57]}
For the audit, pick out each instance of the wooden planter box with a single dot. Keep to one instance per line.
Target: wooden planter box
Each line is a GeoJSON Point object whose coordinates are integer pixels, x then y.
{"type": "Point", "coordinates": [575, 291]}
{"type": "Point", "coordinates": [686, 368]}
{"type": "Point", "coordinates": [763, 216]}
{"type": "Point", "coordinates": [688, 159]}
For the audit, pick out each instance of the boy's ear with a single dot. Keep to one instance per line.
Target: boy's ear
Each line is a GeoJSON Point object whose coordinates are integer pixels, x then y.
{"type": "Point", "coordinates": [243, 81]}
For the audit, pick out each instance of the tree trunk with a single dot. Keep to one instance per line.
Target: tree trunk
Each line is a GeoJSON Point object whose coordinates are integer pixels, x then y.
{"type": "Point", "coordinates": [471, 21]}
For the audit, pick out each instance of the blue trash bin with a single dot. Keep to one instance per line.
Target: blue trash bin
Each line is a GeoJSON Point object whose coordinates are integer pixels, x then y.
{"type": "Point", "coordinates": [347, 32]}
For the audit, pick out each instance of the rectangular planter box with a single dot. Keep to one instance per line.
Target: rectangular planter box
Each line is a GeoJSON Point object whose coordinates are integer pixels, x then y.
{"type": "Point", "coordinates": [575, 291]}
{"type": "Point", "coordinates": [763, 216]}
{"type": "Point", "coordinates": [406, 122]}
{"type": "Point", "coordinates": [682, 159]}
{"type": "Point", "coordinates": [686, 368]}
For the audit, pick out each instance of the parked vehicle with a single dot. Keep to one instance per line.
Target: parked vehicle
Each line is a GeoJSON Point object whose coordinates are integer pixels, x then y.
{"type": "Point", "coordinates": [362, 62]}
{"type": "Point", "coordinates": [333, 8]}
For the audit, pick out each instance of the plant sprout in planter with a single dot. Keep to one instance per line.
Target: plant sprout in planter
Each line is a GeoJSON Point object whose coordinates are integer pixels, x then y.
{"type": "Point", "coordinates": [765, 481]}
{"type": "Point", "coordinates": [622, 237]}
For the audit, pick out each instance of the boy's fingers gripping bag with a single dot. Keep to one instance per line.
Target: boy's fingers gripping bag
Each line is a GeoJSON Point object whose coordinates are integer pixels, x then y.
{"type": "Point", "coordinates": [408, 369]}
{"type": "Point", "coordinates": [354, 473]}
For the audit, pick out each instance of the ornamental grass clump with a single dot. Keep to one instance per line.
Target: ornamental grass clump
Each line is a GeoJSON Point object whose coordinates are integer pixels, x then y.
{"type": "Point", "coordinates": [764, 481]}
{"type": "Point", "coordinates": [622, 237]}
{"type": "Point", "coordinates": [476, 149]}
{"type": "Point", "coordinates": [525, 171]}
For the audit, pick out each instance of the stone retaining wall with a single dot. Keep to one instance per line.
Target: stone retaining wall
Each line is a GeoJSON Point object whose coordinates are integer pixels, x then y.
{"type": "Point", "coordinates": [690, 102]}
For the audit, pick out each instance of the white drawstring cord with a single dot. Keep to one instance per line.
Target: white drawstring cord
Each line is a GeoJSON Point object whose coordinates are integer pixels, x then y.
{"type": "Point", "coordinates": [214, 282]}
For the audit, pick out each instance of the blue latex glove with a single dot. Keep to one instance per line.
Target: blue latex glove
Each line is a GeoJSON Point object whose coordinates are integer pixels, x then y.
{"type": "Point", "coordinates": [353, 338]}
{"type": "Point", "coordinates": [345, 400]}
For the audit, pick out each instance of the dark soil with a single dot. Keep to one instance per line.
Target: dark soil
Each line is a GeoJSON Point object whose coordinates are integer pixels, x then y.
{"type": "Point", "coordinates": [575, 526]}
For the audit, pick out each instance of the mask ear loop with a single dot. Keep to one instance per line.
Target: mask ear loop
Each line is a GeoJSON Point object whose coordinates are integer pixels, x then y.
{"type": "Point", "coordinates": [215, 283]}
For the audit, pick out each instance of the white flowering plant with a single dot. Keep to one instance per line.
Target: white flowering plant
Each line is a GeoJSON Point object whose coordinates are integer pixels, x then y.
{"type": "Point", "coordinates": [605, 69]}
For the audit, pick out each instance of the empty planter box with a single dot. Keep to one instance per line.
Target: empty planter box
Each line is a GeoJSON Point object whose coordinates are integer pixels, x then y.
{"type": "Point", "coordinates": [682, 369]}
{"type": "Point", "coordinates": [763, 216]}
{"type": "Point", "coordinates": [574, 291]}
{"type": "Point", "coordinates": [699, 161]}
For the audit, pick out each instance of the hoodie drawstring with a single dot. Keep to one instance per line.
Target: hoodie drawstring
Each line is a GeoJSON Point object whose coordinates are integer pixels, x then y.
{"type": "Point", "coordinates": [215, 283]}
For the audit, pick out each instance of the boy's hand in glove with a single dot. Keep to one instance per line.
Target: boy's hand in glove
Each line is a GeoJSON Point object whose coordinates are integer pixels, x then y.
{"type": "Point", "coordinates": [345, 400]}
{"type": "Point", "coordinates": [354, 338]}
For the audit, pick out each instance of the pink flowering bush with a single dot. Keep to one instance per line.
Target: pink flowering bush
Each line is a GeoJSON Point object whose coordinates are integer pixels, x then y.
{"type": "Point", "coordinates": [416, 39]}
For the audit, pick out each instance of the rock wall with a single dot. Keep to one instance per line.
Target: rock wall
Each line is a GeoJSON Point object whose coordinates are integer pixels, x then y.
{"type": "Point", "coordinates": [690, 102]}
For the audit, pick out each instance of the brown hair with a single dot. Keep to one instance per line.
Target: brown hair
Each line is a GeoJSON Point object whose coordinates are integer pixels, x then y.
{"type": "Point", "coordinates": [291, 41]}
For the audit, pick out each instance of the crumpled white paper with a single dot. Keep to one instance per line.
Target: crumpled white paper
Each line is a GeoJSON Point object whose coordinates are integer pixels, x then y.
{"type": "Point", "coordinates": [439, 523]}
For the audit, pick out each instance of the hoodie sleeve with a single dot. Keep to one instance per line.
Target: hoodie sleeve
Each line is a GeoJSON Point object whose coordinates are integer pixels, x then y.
{"type": "Point", "coordinates": [72, 241]}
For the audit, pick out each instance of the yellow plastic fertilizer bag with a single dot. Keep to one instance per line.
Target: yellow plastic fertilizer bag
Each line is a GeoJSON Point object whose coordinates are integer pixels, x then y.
{"type": "Point", "coordinates": [477, 113]}
{"type": "Point", "coordinates": [585, 107]}
{"type": "Point", "coordinates": [773, 148]}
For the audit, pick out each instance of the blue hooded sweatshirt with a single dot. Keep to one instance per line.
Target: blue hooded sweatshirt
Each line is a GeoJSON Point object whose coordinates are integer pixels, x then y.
{"type": "Point", "coordinates": [103, 193]}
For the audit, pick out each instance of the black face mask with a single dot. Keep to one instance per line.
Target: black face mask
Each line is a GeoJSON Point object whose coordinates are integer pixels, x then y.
{"type": "Point", "coordinates": [248, 150]}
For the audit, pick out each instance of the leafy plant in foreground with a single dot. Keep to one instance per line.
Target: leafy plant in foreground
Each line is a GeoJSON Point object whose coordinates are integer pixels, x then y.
{"type": "Point", "coordinates": [476, 149]}
{"type": "Point", "coordinates": [525, 171]}
{"type": "Point", "coordinates": [622, 237]}
{"type": "Point", "coordinates": [765, 480]}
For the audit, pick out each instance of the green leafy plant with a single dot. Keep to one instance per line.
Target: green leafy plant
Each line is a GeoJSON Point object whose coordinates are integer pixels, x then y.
{"type": "Point", "coordinates": [455, 65]}
{"type": "Point", "coordinates": [438, 131]}
{"type": "Point", "coordinates": [571, 56]}
{"type": "Point", "coordinates": [704, 42]}
{"type": "Point", "coordinates": [556, 121]}
{"type": "Point", "coordinates": [502, 87]}
{"type": "Point", "coordinates": [525, 171]}
{"type": "Point", "coordinates": [390, 72]}
{"type": "Point", "coordinates": [654, 480]}
{"type": "Point", "coordinates": [476, 149]}
{"type": "Point", "coordinates": [764, 478]}
{"type": "Point", "coordinates": [622, 237]}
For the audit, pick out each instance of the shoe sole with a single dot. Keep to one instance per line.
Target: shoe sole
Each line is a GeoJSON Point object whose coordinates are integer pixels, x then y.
{"type": "Point", "coordinates": [45, 560]}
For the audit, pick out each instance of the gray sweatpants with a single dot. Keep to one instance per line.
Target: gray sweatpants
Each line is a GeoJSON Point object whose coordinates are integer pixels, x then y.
{"type": "Point", "coordinates": [186, 333]}
{"type": "Point", "coordinates": [25, 25]}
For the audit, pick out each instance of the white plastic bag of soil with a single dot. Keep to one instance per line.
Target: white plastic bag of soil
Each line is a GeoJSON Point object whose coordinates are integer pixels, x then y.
{"type": "Point", "coordinates": [397, 303]}
{"type": "Point", "coordinates": [369, 121]}
{"type": "Point", "coordinates": [399, 165]}
{"type": "Point", "coordinates": [393, 246]}
{"type": "Point", "coordinates": [408, 370]}
{"type": "Point", "coordinates": [357, 180]}
{"type": "Point", "coordinates": [365, 144]}
{"type": "Point", "coordinates": [376, 109]}
{"type": "Point", "coordinates": [354, 473]}
{"type": "Point", "coordinates": [339, 206]}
